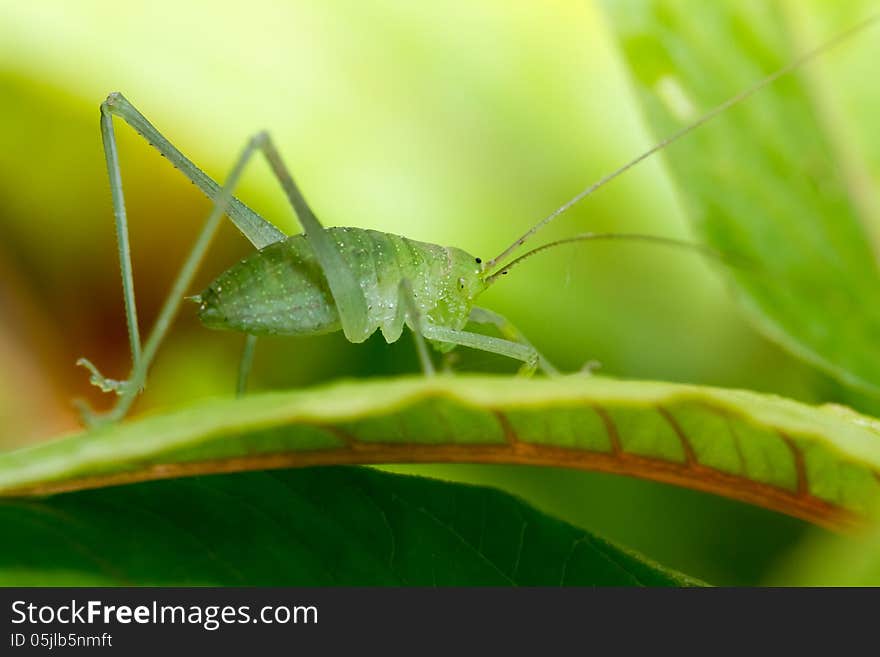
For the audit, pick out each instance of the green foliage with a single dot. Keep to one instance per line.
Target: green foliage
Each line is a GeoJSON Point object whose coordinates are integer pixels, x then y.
{"type": "Point", "coordinates": [313, 527]}
{"type": "Point", "coordinates": [816, 463]}
{"type": "Point", "coordinates": [459, 126]}
{"type": "Point", "coordinates": [814, 283]}
{"type": "Point", "coordinates": [833, 561]}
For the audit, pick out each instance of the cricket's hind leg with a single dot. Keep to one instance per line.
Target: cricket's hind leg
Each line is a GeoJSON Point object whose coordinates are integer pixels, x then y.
{"type": "Point", "coordinates": [256, 229]}
{"type": "Point", "coordinates": [143, 357]}
{"type": "Point", "coordinates": [246, 364]}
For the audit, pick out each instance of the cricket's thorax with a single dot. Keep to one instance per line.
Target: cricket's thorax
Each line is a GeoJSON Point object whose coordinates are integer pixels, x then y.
{"type": "Point", "coordinates": [281, 289]}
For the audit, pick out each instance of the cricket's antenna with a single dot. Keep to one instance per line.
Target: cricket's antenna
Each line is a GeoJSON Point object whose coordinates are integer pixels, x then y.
{"type": "Point", "coordinates": [700, 249]}
{"type": "Point", "coordinates": [675, 136]}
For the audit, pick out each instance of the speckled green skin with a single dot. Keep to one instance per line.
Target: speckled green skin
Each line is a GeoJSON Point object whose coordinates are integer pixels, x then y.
{"type": "Point", "coordinates": [281, 290]}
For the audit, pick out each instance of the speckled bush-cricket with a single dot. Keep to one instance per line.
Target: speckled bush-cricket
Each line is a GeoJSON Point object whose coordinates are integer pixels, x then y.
{"type": "Point", "coordinates": [353, 279]}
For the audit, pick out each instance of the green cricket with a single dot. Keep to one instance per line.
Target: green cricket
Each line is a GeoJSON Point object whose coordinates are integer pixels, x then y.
{"type": "Point", "coordinates": [353, 279]}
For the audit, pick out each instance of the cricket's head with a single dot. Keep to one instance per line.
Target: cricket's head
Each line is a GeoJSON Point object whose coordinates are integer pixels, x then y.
{"type": "Point", "coordinates": [466, 273]}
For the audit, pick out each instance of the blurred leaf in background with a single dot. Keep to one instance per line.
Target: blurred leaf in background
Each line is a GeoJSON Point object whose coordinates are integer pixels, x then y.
{"type": "Point", "coordinates": [812, 282]}
{"type": "Point", "coordinates": [457, 123]}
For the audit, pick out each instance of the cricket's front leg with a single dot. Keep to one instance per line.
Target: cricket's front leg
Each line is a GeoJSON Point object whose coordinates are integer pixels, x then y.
{"type": "Point", "coordinates": [516, 350]}
{"type": "Point", "coordinates": [510, 332]}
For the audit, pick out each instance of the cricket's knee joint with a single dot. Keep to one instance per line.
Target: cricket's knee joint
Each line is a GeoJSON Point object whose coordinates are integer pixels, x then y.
{"type": "Point", "coordinates": [529, 366]}
{"type": "Point", "coordinates": [110, 103]}
{"type": "Point", "coordinates": [260, 139]}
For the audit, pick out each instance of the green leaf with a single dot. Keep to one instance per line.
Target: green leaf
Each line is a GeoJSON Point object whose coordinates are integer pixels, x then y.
{"type": "Point", "coordinates": [769, 180]}
{"type": "Point", "coordinates": [309, 527]}
{"type": "Point", "coordinates": [832, 560]}
{"type": "Point", "coordinates": [819, 464]}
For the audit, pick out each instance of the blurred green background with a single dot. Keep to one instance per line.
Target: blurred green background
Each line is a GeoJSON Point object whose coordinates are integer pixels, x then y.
{"type": "Point", "coordinates": [459, 123]}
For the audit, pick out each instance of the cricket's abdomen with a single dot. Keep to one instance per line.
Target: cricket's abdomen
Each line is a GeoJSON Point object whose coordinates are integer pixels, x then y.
{"type": "Point", "coordinates": [278, 290]}
{"type": "Point", "coordinates": [281, 289]}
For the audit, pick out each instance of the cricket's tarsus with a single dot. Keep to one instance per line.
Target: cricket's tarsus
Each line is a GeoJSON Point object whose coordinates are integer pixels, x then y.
{"type": "Point", "coordinates": [328, 279]}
